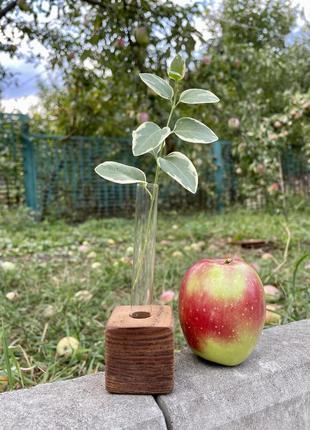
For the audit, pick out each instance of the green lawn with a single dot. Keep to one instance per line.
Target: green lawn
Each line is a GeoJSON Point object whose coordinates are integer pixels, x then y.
{"type": "Point", "coordinates": [51, 267]}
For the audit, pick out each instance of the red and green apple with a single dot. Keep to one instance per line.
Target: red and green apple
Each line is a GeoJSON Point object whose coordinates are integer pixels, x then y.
{"type": "Point", "coordinates": [222, 309]}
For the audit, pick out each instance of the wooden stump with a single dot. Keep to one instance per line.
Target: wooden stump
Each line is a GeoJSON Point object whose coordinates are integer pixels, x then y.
{"type": "Point", "coordinates": [139, 352]}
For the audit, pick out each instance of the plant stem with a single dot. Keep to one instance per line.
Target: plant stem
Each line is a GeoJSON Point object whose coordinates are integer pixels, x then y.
{"type": "Point", "coordinates": [173, 106]}
{"type": "Point", "coordinates": [284, 205]}
{"type": "Point", "coordinates": [152, 197]}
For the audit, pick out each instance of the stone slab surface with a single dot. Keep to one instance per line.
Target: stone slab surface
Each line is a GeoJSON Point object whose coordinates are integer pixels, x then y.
{"type": "Point", "coordinates": [270, 391]}
{"type": "Point", "coordinates": [81, 404]}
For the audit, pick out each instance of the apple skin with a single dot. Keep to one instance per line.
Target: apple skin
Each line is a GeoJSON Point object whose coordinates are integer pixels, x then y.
{"type": "Point", "coordinates": [222, 309]}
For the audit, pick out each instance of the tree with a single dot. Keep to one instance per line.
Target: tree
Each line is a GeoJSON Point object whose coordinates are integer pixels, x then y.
{"type": "Point", "coordinates": [99, 47]}
{"type": "Point", "coordinates": [257, 70]}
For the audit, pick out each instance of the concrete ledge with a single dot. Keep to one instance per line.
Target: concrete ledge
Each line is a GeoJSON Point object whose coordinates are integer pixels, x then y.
{"type": "Point", "coordinates": [79, 404]}
{"type": "Point", "coordinates": [270, 391]}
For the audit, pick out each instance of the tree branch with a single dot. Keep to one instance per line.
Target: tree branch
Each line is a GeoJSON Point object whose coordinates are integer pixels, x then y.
{"type": "Point", "coordinates": [99, 3]}
{"type": "Point", "coordinates": [95, 3]}
{"type": "Point", "coordinates": [12, 5]}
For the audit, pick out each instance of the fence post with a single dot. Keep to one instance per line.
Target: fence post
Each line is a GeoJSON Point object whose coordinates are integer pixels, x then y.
{"type": "Point", "coordinates": [218, 174]}
{"type": "Point", "coordinates": [30, 177]}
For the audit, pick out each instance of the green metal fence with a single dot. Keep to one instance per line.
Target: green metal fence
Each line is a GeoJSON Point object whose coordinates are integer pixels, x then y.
{"type": "Point", "coordinates": [65, 179]}
{"type": "Point", "coordinates": [296, 172]}
{"type": "Point", "coordinates": [55, 175]}
{"type": "Point", "coordinates": [60, 177]}
{"type": "Point", "coordinates": [11, 158]}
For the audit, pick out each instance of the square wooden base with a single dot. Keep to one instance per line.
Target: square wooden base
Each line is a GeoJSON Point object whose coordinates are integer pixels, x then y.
{"type": "Point", "coordinates": [139, 353]}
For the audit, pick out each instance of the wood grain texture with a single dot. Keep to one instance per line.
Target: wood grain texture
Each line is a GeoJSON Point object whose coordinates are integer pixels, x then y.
{"type": "Point", "coordinates": [139, 353]}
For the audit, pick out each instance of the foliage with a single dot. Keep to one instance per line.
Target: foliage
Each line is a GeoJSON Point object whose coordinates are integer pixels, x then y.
{"type": "Point", "coordinates": [55, 261]}
{"type": "Point", "coordinates": [150, 138]}
{"type": "Point", "coordinates": [257, 70]}
{"type": "Point", "coordinates": [99, 48]}
{"type": "Point", "coordinates": [261, 157]}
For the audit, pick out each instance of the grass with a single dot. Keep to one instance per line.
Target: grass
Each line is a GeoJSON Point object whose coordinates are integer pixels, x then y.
{"type": "Point", "coordinates": [50, 267]}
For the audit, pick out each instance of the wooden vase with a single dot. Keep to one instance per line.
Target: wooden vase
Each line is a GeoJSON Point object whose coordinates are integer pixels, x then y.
{"type": "Point", "coordinates": [139, 352]}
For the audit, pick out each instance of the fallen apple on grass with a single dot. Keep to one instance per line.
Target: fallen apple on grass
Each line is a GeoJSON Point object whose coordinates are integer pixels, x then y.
{"type": "Point", "coordinates": [222, 309]}
{"type": "Point", "coordinates": [4, 382]}
{"type": "Point", "coordinates": [273, 316]}
{"type": "Point", "coordinates": [272, 293]}
{"type": "Point", "coordinates": [67, 346]}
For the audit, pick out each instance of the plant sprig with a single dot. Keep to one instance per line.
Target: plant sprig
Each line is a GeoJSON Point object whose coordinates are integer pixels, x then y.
{"type": "Point", "coordinates": [151, 138]}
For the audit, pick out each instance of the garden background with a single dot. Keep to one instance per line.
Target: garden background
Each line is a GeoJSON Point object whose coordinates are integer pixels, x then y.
{"type": "Point", "coordinates": [66, 262]}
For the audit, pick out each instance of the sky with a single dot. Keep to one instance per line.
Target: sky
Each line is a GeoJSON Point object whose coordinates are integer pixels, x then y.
{"type": "Point", "coordinates": [22, 96]}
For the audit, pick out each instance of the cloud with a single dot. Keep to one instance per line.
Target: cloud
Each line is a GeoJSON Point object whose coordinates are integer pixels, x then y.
{"type": "Point", "coordinates": [26, 73]}
{"type": "Point", "coordinates": [20, 104]}
{"type": "Point", "coordinates": [25, 79]}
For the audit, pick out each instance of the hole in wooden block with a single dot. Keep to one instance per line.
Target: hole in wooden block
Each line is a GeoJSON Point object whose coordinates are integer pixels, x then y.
{"type": "Point", "coordinates": [140, 314]}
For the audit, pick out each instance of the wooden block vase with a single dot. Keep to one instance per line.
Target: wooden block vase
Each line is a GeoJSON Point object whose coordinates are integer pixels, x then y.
{"type": "Point", "coordinates": [139, 352]}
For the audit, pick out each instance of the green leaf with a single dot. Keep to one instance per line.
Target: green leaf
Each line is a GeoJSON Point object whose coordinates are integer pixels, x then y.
{"type": "Point", "coordinates": [191, 130]}
{"type": "Point", "coordinates": [198, 96]}
{"type": "Point", "coordinates": [147, 137]}
{"type": "Point", "coordinates": [158, 85]}
{"type": "Point", "coordinates": [181, 169]}
{"type": "Point", "coordinates": [120, 173]}
{"type": "Point", "coordinates": [177, 68]}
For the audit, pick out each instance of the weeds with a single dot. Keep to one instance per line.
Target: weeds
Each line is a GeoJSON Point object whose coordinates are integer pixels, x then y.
{"type": "Point", "coordinates": [7, 358]}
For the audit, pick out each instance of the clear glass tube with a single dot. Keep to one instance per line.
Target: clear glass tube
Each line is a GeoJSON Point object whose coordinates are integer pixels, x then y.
{"type": "Point", "coordinates": [144, 250]}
